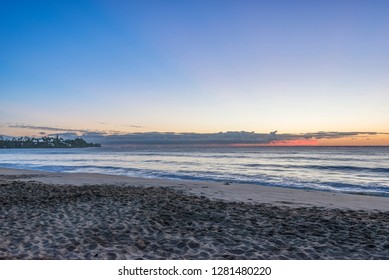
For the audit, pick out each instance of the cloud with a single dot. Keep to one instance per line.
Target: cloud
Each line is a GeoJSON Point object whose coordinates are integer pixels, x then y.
{"type": "Point", "coordinates": [49, 128]}
{"type": "Point", "coordinates": [221, 138]}
{"type": "Point", "coordinates": [110, 137]}
{"type": "Point", "coordinates": [74, 130]}
{"type": "Point", "coordinates": [333, 134]}
{"type": "Point", "coordinates": [126, 125]}
{"type": "Point", "coordinates": [180, 138]}
{"type": "Point", "coordinates": [135, 126]}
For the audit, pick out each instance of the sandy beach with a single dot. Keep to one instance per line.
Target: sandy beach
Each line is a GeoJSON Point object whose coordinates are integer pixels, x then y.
{"type": "Point", "coordinates": [93, 216]}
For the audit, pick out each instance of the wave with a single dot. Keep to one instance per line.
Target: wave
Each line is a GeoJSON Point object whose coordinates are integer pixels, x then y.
{"type": "Point", "coordinates": [324, 167]}
{"type": "Point", "coordinates": [350, 168]}
{"type": "Point", "coordinates": [280, 168]}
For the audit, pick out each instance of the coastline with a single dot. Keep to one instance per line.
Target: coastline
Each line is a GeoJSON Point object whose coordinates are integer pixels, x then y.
{"type": "Point", "coordinates": [246, 193]}
{"type": "Point", "coordinates": [93, 216]}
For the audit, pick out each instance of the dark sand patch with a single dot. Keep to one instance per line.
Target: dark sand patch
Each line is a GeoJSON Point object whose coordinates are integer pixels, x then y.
{"type": "Point", "coordinates": [42, 221]}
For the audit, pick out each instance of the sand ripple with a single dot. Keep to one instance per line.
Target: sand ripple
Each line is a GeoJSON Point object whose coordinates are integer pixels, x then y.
{"type": "Point", "coordinates": [40, 221]}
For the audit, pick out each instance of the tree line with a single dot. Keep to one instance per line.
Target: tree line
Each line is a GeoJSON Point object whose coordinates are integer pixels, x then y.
{"type": "Point", "coordinates": [44, 142]}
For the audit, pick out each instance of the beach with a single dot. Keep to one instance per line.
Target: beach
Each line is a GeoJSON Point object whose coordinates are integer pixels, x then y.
{"type": "Point", "coordinates": [48, 215]}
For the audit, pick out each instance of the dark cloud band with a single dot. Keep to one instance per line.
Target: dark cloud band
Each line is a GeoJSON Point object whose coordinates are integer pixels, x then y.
{"type": "Point", "coordinates": [221, 138]}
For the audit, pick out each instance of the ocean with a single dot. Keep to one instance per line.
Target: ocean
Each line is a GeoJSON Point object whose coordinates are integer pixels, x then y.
{"type": "Point", "coordinates": [361, 170]}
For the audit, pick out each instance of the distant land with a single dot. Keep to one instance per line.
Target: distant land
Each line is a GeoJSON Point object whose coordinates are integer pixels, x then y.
{"type": "Point", "coordinates": [44, 142]}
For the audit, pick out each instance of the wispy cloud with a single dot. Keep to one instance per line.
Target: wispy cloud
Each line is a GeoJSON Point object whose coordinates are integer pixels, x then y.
{"type": "Point", "coordinates": [334, 134]}
{"type": "Point", "coordinates": [134, 126]}
{"type": "Point", "coordinates": [69, 130]}
{"type": "Point", "coordinates": [48, 128]}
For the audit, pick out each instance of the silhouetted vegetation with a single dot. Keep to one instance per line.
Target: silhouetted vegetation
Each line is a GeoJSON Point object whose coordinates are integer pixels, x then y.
{"type": "Point", "coordinates": [44, 142]}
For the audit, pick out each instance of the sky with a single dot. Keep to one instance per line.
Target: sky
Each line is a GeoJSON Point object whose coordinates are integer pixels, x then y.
{"type": "Point", "coordinates": [129, 68]}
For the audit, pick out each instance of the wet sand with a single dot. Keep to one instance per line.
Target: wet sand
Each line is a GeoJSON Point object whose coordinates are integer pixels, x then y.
{"type": "Point", "coordinates": [93, 216]}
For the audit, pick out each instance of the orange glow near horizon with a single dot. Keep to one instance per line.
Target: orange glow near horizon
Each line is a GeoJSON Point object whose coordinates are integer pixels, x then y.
{"type": "Point", "coordinates": [369, 140]}
{"type": "Point", "coordinates": [300, 142]}
{"type": "Point", "coordinates": [365, 140]}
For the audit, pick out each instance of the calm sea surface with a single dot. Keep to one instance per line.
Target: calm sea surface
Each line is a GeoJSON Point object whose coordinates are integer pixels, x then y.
{"type": "Point", "coordinates": [362, 170]}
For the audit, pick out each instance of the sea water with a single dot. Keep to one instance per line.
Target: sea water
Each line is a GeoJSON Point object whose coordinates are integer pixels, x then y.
{"type": "Point", "coordinates": [363, 170]}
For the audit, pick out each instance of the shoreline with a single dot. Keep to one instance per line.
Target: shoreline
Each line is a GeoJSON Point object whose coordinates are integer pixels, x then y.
{"type": "Point", "coordinates": [247, 193]}
{"type": "Point", "coordinates": [75, 216]}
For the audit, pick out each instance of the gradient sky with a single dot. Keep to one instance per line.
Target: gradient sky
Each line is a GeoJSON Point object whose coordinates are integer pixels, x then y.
{"type": "Point", "coordinates": [195, 66]}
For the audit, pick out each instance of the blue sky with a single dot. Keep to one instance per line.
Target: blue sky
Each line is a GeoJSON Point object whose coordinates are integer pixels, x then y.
{"type": "Point", "coordinates": [195, 66]}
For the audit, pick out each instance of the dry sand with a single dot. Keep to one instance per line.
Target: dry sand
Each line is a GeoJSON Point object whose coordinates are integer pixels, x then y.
{"type": "Point", "coordinates": [92, 216]}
